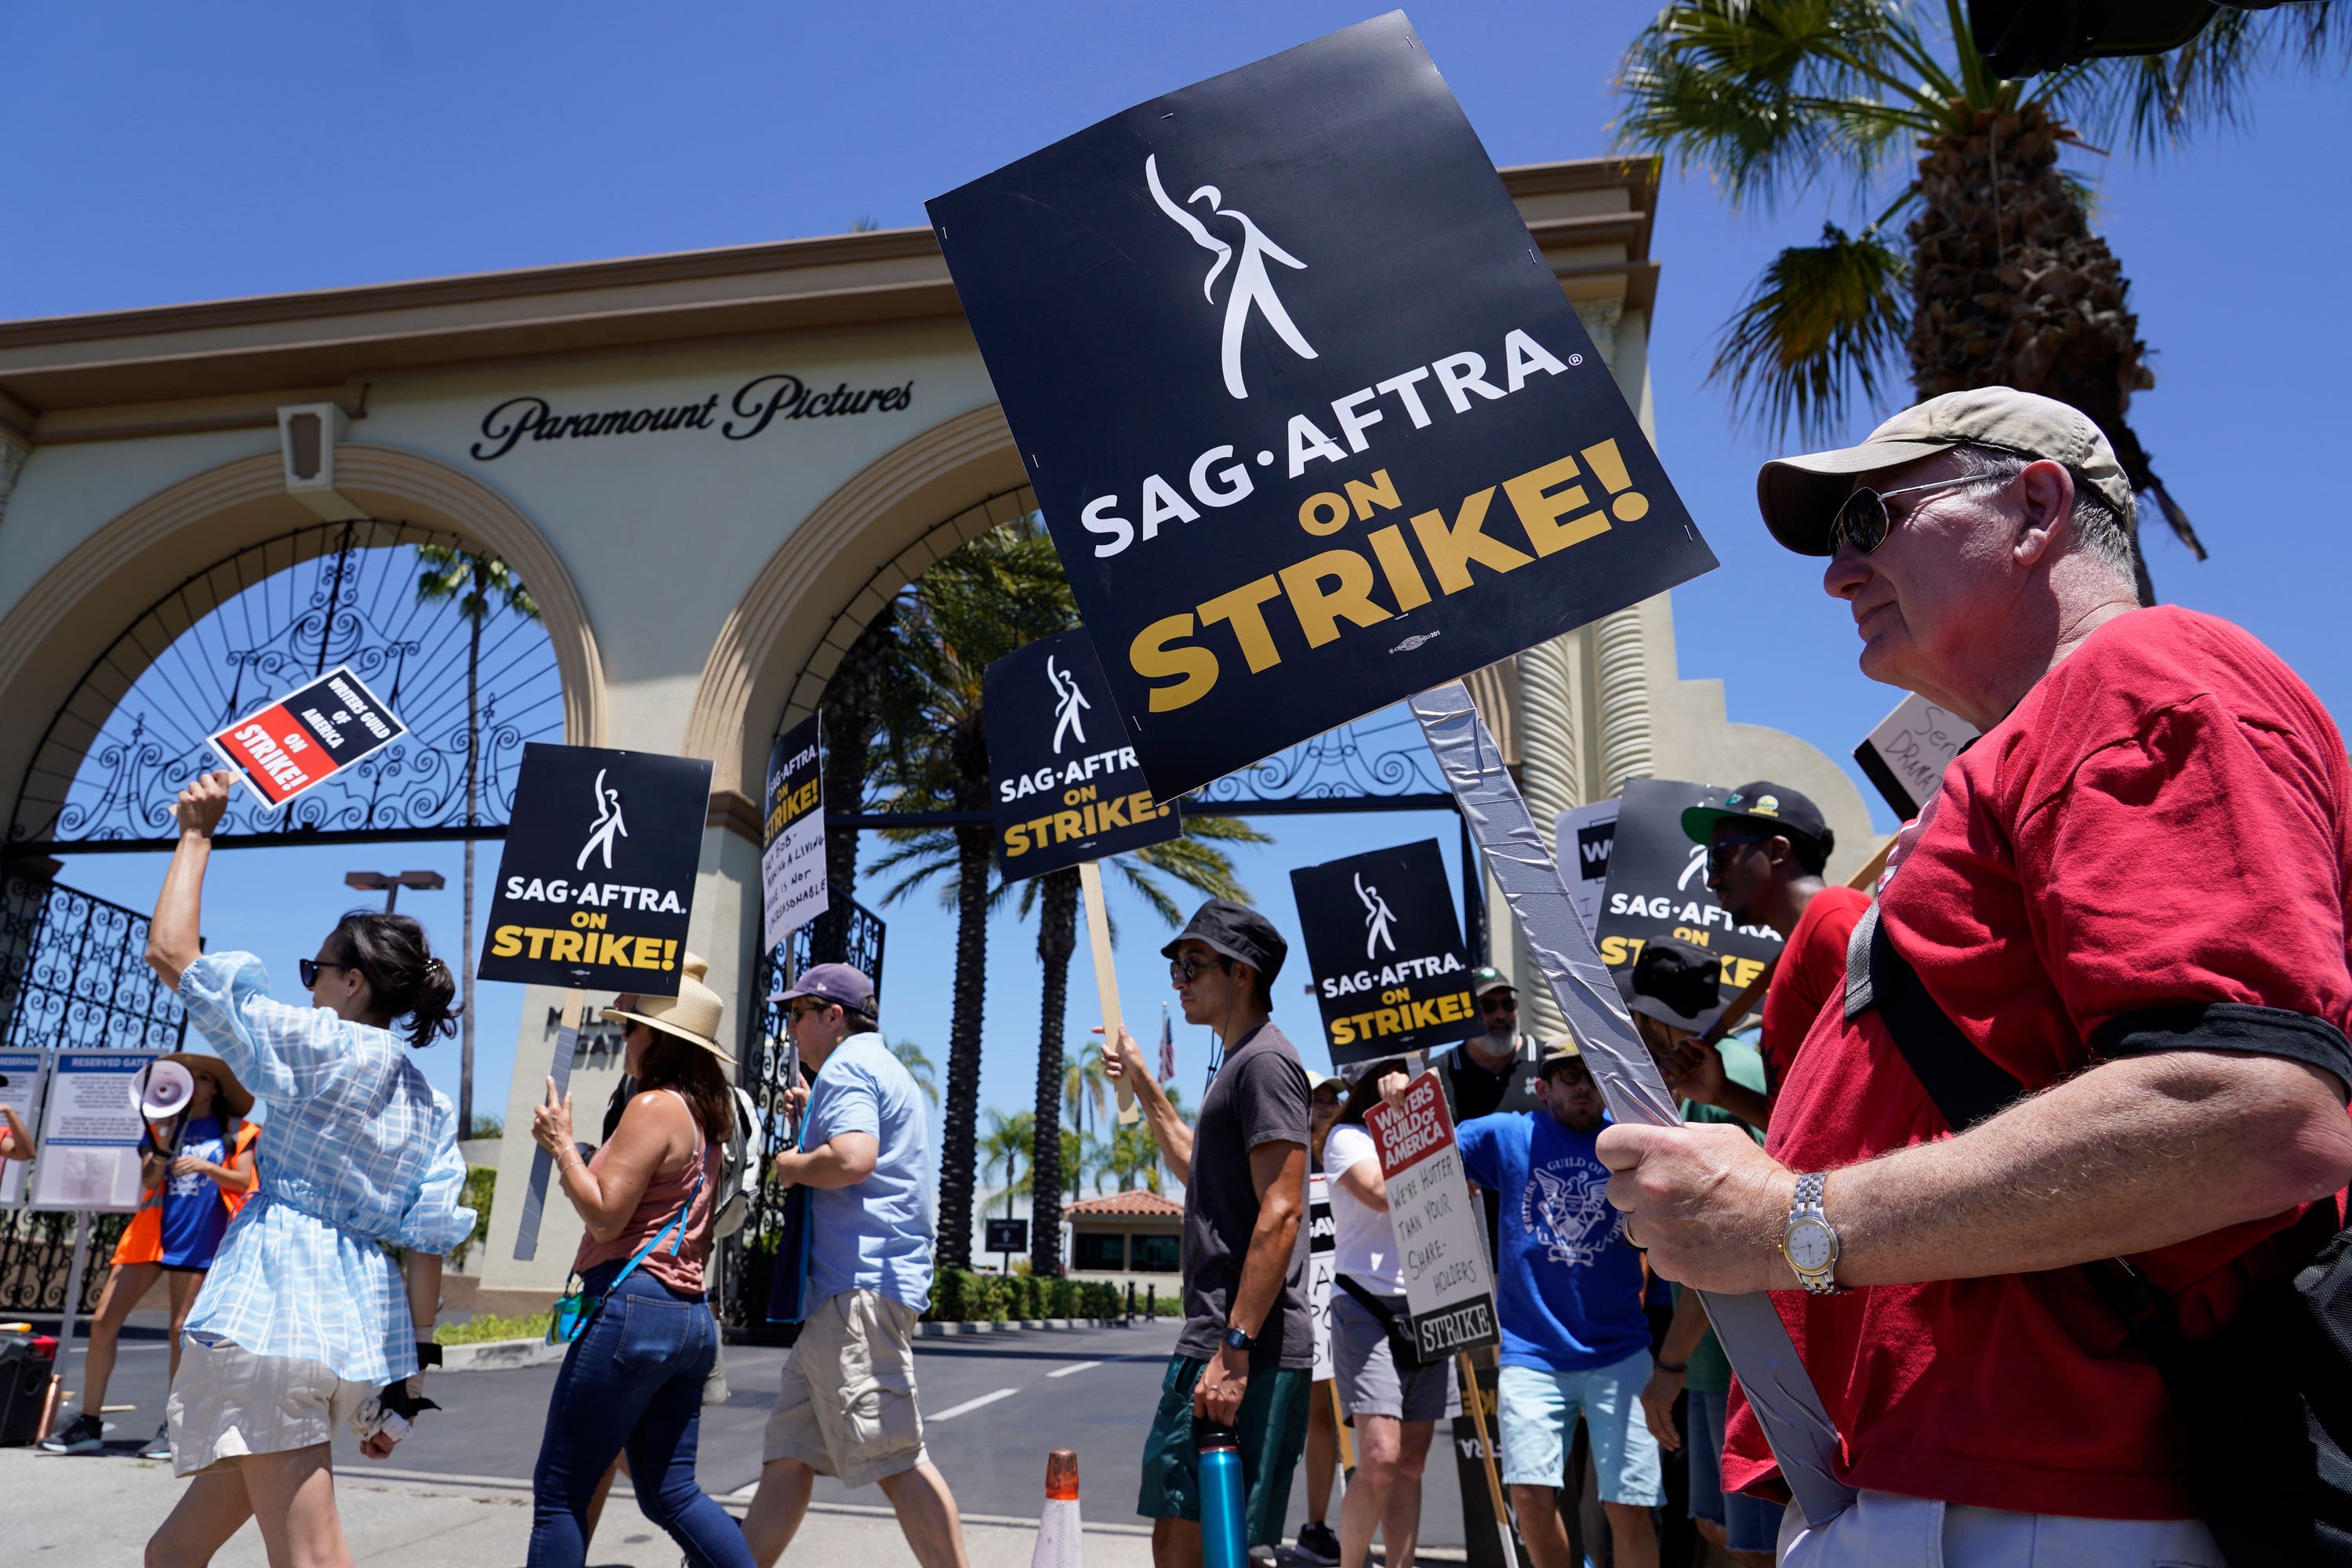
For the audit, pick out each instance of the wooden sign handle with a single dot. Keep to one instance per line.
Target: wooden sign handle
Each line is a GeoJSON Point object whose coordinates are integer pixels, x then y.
{"type": "Point", "coordinates": [1477, 1408]}
{"type": "Point", "coordinates": [1106, 975]}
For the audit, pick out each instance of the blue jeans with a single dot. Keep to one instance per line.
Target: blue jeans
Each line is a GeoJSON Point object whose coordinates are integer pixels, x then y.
{"type": "Point", "coordinates": [1749, 1525]}
{"type": "Point", "coordinates": [633, 1380]}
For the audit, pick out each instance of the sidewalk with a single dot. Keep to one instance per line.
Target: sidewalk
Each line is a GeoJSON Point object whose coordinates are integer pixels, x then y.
{"type": "Point", "coordinates": [103, 1510]}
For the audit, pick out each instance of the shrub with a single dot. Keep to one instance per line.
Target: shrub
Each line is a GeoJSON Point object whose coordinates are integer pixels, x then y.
{"type": "Point", "coordinates": [481, 1186]}
{"type": "Point", "coordinates": [484, 1328]}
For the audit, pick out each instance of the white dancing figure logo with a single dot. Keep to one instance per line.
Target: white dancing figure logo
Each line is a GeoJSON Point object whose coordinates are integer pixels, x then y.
{"type": "Point", "coordinates": [1068, 704]}
{"type": "Point", "coordinates": [1377, 915]}
{"type": "Point", "coordinates": [608, 822]}
{"type": "Point", "coordinates": [1252, 289]}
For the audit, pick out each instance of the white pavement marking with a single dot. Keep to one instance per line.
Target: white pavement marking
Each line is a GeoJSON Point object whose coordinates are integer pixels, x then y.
{"type": "Point", "coordinates": [1075, 1366]}
{"type": "Point", "coordinates": [969, 1405]}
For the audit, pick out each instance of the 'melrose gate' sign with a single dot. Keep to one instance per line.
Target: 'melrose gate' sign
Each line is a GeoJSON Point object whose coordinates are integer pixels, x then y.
{"type": "Point", "coordinates": [1441, 1235]}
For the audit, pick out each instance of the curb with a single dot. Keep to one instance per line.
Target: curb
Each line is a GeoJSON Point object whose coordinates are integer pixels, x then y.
{"type": "Point", "coordinates": [501, 1355]}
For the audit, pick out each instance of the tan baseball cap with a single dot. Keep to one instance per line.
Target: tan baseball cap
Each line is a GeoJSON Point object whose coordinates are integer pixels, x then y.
{"type": "Point", "coordinates": [1799, 497]}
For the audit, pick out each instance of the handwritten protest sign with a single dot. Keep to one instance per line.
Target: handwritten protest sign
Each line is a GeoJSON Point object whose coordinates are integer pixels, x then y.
{"type": "Point", "coordinates": [1907, 755]}
{"type": "Point", "coordinates": [1441, 1235]}
{"type": "Point", "coordinates": [792, 885]}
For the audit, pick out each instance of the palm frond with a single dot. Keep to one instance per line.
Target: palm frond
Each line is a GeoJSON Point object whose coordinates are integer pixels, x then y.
{"type": "Point", "coordinates": [1766, 96]}
{"type": "Point", "coordinates": [1824, 324]}
{"type": "Point", "coordinates": [2156, 103]}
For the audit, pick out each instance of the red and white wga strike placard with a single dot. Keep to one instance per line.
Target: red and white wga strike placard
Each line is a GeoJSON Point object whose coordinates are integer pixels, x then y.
{"type": "Point", "coordinates": [307, 736]}
{"type": "Point", "coordinates": [1441, 1235]}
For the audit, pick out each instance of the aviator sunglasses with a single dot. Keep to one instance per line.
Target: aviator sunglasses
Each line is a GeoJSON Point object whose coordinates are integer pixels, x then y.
{"type": "Point", "coordinates": [1864, 522]}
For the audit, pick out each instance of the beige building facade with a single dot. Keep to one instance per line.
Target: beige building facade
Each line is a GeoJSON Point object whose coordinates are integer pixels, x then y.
{"type": "Point", "coordinates": [710, 468]}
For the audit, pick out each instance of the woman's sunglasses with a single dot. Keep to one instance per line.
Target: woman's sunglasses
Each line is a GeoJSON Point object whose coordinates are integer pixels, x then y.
{"type": "Point", "coordinates": [310, 967]}
{"type": "Point", "coordinates": [1864, 522]}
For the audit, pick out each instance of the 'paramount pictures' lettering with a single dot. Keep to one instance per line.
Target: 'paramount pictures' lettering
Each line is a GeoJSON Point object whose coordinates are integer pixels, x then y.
{"type": "Point", "coordinates": [757, 404]}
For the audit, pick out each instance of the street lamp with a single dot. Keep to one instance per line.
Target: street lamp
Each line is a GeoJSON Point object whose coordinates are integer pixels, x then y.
{"type": "Point", "coordinates": [389, 883]}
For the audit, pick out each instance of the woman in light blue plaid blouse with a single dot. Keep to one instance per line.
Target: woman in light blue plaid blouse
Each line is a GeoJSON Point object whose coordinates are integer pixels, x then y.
{"type": "Point", "coordinates": [304, 1325]}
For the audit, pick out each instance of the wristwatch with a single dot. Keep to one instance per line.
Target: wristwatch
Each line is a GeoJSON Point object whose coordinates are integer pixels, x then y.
{"type": "Point", "coordinates": [1808, 1241]}
{"type": "Point", "coordinates": [1237, 1340]}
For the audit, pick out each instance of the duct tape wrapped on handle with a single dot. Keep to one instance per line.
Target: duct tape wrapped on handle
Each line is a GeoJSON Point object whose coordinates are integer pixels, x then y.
{"type": "Point", "coordinates": [1804, 1438]}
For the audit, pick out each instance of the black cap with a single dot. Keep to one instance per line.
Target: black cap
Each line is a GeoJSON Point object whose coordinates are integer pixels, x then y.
{"type": "Point", "coordinates": [1676, 983]}
{"type": "Point", "coordinates": [1239, 932]}
{"type": "Point", "coordinates": [1773, 805]}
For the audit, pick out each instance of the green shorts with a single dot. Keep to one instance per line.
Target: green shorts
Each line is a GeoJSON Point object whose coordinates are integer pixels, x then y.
{"type": "Point", "coordinates": [1272, 1424]}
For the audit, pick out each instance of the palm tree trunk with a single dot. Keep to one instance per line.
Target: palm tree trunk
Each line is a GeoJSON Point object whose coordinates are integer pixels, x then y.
{"type": "Point", "coordinates": [959, 1138]}
{"type": "Point", "coordinates": [852, 719]}
{"type": "Point", "coordinates": [1057, 936]}
{"type": "Point", "coordinates": [2012, 287]}
{"type": "Point", "coordinates": [473, 810]}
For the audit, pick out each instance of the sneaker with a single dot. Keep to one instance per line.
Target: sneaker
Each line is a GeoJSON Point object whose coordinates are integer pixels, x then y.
{"type": "Point", "coordinates": [161, 1448]}
{"type": "Point", "coordinates": [85, 1434]}
{"type": "Point", "coordinates": [1317, 1544]}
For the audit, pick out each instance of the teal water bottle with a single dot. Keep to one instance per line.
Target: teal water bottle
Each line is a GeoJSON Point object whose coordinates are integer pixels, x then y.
{"type": "Point", "coordinates": [1225, 1542]}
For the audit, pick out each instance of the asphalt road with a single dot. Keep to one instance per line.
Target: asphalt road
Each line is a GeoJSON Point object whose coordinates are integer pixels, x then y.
{"type": "Point", "coordinates": [994, 1405]}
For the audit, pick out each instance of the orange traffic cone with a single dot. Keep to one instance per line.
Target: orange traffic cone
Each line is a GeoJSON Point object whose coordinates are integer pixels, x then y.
{"type": "Point", "coordinates": [1060, 1538]}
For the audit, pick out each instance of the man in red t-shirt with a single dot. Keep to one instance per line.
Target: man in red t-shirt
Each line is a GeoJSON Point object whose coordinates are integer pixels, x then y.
{"type": "Point", "coordinates": [1765, 847]}
{"type": "Point", "coordinates": [2129, 896]}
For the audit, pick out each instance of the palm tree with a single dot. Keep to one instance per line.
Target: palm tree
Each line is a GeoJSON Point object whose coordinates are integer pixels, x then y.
{"type": "Point", "coordinates": [1003, 589]}
{"type": "Point", "coordinates": [1999, 279]}
{"type": "Point", "coordinates": [447, 572]}
{"type": "Point", "coordinates": [1009, 1139]}
{"type": "Point", "coordinates": [1133, 1158]}
{"type": "Point", "coordinates": [918, 1063]}
{"type": "Point", "coordinates": [1085, 1084]}
{"type": "Point", "coordinates": [864, 701]}
{"type": "Point", "coordinates": [1190, 859]}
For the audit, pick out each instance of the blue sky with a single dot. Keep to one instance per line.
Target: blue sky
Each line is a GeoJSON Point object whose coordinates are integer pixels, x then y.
{"type": "Point", "coordinates": [196, 154]}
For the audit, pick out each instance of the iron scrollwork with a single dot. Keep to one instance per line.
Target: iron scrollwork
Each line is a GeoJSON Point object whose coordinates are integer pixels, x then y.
{"type": "Point", "coordinates": [73, 976]}
{"type": "Point", "coordinates": [269, 618]}
{"type": "Point", "coordinates": [750, 1255]}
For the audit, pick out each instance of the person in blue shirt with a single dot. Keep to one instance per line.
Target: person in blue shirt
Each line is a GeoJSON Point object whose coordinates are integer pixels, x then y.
{"type": "Point", "coordinates": [1576, 1340]}
{"type": "Point", "coordinates": [846, 1405]}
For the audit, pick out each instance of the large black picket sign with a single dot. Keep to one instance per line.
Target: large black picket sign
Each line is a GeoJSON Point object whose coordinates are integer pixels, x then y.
{"type": "Point", "coordinates": [1384, 952]}
{"type": "Point", "coordinates": [1311, 422]}
{"type": "Point", "coordinates": [1657, 887]}
{"type": "Point", "coordinates": [596, 880]}
{"type": "Point", "coordinates": [1060, 766]}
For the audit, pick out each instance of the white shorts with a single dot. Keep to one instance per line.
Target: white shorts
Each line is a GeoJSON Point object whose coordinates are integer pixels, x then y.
{"type": "Point", "coordinates": [228, 1402]}
{"type": "Point", "coordinates": [1882, 1529]}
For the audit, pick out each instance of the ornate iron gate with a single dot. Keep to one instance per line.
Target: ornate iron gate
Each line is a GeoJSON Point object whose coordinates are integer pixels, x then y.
{"type": "Point", "coordinates": [73, 975]}
{"type": "Point", "coordinates": [749, 1258]}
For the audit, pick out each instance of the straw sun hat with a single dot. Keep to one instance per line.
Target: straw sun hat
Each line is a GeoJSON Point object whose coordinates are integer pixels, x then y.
{"type": "Point", "coordinates": [693, 1014]}
{"type": "Point", "coordinates": [235, 1098]}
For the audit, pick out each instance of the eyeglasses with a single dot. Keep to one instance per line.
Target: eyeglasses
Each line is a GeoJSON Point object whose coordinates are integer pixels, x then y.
{"type": "Point", "coordinates": [1182, 970]}
{"type": "Point", "coordinates": [310, 967]}
{"type": "Point", "coordinates": [802, 1007]}
{"type": "Point", "coordinates": [1862, 520]}
{"type": "Point", "coordinates": [1498, 1002]}
{"type": "Point", "coordinates": [1718, 851]}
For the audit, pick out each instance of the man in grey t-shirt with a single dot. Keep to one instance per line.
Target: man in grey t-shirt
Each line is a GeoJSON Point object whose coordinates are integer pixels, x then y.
{"type": "Point", "coordinates": [1246, 1353]}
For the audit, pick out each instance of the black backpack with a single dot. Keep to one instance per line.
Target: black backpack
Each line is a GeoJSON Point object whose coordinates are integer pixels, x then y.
{"type": "Point", "coordinates": [2267, 1403]}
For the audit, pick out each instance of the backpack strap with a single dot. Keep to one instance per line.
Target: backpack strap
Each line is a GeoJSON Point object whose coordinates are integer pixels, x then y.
{"type": "Point", "coordinates": [1966, 1085]}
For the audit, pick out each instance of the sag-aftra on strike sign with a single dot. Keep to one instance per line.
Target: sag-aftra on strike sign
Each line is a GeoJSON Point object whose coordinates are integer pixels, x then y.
{"type": "Point", "coordinates": [1309, 417]}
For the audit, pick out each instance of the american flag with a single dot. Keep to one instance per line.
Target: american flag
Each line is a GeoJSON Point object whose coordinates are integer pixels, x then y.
{"type": "Point", "coordinates": [1167, 1048]}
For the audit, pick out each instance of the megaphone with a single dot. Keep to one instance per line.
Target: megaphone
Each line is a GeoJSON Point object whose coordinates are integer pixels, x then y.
{"type": "Point", "coordinates": [162, 1090]}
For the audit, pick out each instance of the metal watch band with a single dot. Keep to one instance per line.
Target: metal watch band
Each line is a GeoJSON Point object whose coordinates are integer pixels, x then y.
{"type": "Point", "coordinates": [1806, 1204]}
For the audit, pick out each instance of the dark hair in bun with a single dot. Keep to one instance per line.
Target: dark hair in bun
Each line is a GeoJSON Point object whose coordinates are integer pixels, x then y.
{"type": "Point", "coordinates": [406, 980]}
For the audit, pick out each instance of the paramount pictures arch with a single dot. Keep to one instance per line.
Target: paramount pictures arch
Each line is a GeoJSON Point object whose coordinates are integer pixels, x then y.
{"type": "Point", "coordinates": [711, 470]}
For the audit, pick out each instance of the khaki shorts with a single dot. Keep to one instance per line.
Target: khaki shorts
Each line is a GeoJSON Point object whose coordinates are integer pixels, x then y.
{"type": "Point", "coordinates": [847, 1406]}
{"type": "Point", "coordinates": [228, 1402]}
